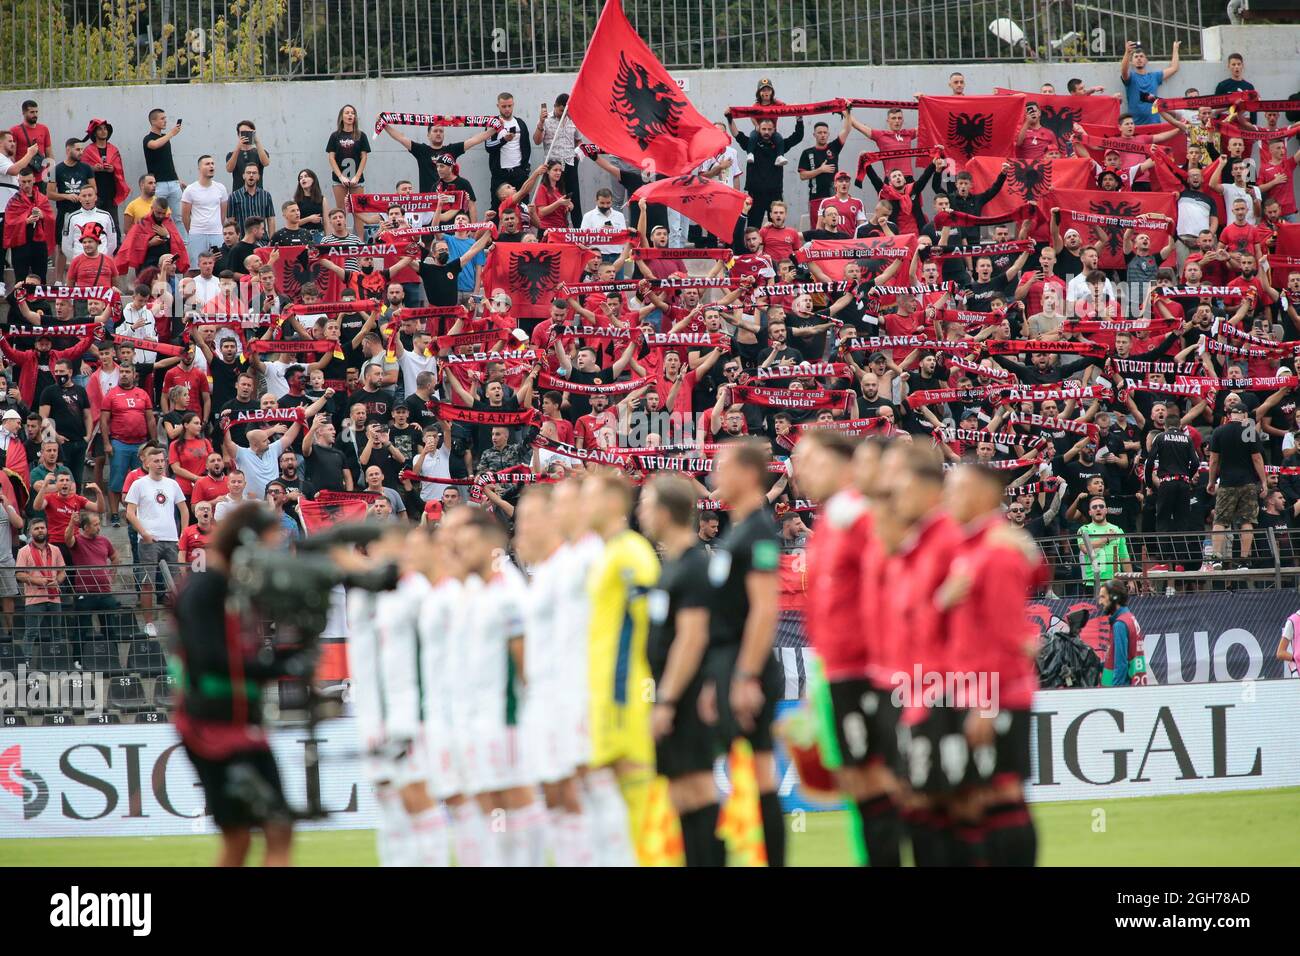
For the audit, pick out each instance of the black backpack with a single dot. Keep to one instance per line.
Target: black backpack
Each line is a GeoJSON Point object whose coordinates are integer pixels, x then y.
{"type": "Point", "coordinates": [1065, 660]}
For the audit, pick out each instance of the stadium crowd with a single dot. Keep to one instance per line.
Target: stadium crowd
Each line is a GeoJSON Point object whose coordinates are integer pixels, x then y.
{"type": "Point", "coordinates": [1132, 369]}
{"type": "Point", "coordinates": [1093, 294]}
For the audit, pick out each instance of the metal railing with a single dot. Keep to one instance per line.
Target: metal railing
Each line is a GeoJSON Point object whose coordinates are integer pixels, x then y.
{"type": "Point", "coordinates": [52, 43]}
{"type": "Point", "coordinates": [1172, 563]}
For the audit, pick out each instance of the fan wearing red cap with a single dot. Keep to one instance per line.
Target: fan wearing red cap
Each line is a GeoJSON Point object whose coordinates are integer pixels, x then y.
{"type": "Point", "coordinates": [851, 211]}
{"type": "Point", "coordinates": [93, 267]}
{"type": "Point", "coordinates": [105, 159]}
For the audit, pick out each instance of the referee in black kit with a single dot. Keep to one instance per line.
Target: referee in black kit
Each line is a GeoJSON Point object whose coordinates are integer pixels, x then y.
{"type": "Point", "coordinates": [747, 680]}
{"type": "Point", "coordinates": [679, 637]}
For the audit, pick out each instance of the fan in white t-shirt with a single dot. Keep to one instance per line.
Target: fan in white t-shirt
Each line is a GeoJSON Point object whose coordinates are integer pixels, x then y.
{"type": "Point", "coordinates": [434, 461]}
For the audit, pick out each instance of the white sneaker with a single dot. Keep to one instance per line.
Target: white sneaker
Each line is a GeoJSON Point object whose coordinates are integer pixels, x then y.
{"type": "Point", "coordinates": [781, 161]}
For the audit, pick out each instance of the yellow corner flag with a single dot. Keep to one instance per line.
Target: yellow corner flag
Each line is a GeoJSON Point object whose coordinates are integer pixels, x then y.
{"type": "Point", "coordinates": [660, 841]}
{"type": "Point", "coordinates": [740, 822]}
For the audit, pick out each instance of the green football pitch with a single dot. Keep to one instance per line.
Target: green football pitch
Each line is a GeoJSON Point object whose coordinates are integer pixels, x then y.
{"type": "Point", "coordinates": [1217, 829]}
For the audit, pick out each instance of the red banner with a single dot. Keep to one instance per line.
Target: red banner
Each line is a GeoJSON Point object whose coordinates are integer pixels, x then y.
{"type": "Point", "coordinates": [797, 398]}
{"type": "Point", "coordinates": [533, 273]}
{"type": "Point", "coordinates": [786, 109]}
{"type": "Point", "coordinates": [410, 202]}
{"type": "Point", "coordinates": [1287, 247]}
{"type": "Point", "coordinates": [970, 126]}
{"type": "Point", "coordinates": [626, 103]}
{"type": "Point", "coordinates": [832, 255]}
{"type": "Point", "coordinates": [1123, 205]}
{"type": "Point", "coordinates": [434, 119]}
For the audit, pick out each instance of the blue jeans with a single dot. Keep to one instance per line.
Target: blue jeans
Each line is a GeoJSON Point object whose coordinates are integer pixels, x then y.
{"type": "Point", "coordinates": [200, 242]}
{"type": "Point", "coordinates": [125, 457]}
{"type": "Point", "coordinates": [171, 191]}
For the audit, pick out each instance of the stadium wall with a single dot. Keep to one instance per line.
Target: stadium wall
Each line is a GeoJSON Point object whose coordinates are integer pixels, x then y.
{"type": "Point", "coordinates": [295, 119]}
{"type": "Point", "coordinates": [134, 780]}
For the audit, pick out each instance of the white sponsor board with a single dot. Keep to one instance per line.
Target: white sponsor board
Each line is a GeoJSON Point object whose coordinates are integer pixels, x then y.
{"type": "Point", "coordinates": [1144, 741]}
{"type": "Point", "coordinates": [135, 780]}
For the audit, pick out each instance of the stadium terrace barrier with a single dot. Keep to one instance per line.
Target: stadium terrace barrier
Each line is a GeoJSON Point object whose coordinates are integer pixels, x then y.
{"type": "Point", "coordinates": [87, 42]}
{"type": "Point", "coordinates": [132, 780]}
{"type": "Point", "coordinates": [1156, 560]}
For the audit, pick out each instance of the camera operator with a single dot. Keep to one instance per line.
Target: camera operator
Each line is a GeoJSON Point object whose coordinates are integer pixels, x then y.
{"type": "Point", "coordinates": [219, 705]}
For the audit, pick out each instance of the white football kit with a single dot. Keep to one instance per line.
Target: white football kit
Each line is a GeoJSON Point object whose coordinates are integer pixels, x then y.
{"type": "Point", "coordinates": [364, 668]}
{"type": "Point", "coordinates": [401, 677]}
{"type": "Point", "coordinates": [545, 731]}
{"type": "Point", "coordinates": [493, 616]}
{"type": "Point", "coordinates": [576, 561]}
{"type": "Point", "coordinates": [438, 637]}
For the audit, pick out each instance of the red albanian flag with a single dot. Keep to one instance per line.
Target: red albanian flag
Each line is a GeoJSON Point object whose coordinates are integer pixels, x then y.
{"type": "Point", "coordinates": [532, 273]}
{"type": "Point", "coordinates": [625, 102]}
{"type": "Point", "coordinates": [702, 200]}
{"type": "Point", "coordinates": [1029, 181]}
{"type": "Point", "coordinates": [295, 266]}
{"type": "Point", "coordinates": [970, 126]}
{"type": "Point", "coordinates": [1059, 113]}
{"type": "Point", "coordinates": [320, 515]}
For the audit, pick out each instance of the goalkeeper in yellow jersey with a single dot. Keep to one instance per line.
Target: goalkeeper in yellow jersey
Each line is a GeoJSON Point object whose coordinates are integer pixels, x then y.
{"type": "Point", "coordinates": [622, 691]}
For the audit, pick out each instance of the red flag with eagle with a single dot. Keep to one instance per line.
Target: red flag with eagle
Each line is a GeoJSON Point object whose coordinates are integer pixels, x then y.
{"type": "Point", "coordinates": [626, 103]}
{"type": "Point", "coordinates": [1058, 114]}
{"type": "Point", "coordinates": [294, 267]}
{"type": "Point", "coordinates": [702, 200]}
{"type": "Point", "coordinates": [1123, 205]}
{"type": "Point", "coordinates": [532, 273]}
{"type": "Point", "coordinates": [1029, 181]}
{"type": "Point", "coordinates": [969, 126]}
{"type": "Point", "coordinates": [325, 512]}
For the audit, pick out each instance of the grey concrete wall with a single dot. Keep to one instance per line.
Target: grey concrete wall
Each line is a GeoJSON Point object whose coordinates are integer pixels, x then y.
{"type": "Point", "coordinates": [295, 119]}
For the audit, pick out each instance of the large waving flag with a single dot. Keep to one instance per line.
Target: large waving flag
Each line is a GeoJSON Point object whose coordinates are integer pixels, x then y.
{"type": "Point", "coordinates": [970, 126]}
{"type": "Point", "coordinates": [702, 200]}
{"type": "Point", "coordinates": [1059, 113]}
{"type": "Point", "coordinates": [532, 273]}
{"type": "Point", "coordinates": [625, 102]}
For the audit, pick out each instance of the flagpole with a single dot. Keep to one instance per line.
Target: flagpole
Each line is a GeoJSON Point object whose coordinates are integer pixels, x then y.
{"type": "Point", "coordinates": [568, 104]}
